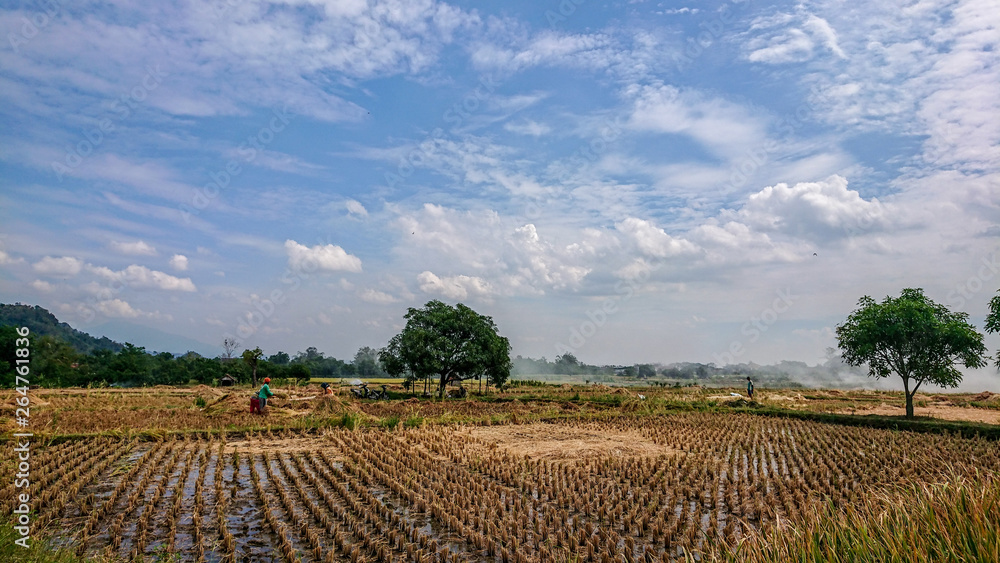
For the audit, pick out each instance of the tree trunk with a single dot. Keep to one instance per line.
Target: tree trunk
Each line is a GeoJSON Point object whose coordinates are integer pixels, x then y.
{"type": "Point", "coordinates": [255, 376]}
{"type": "Point", "coordinates": [909, 396]}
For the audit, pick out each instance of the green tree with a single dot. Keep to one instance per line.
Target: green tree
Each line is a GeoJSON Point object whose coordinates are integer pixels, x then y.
{"type": "Point", "coordinates": [132, 364]}
{"type": "Point", "coordinates": [279, 359]}
{"type": "Point", "coordinates": [54, 362]}
{"type": "Point", "coordinates": [252, 358]}
{"type": "Point", "coordinates": [452, 343]}
{"type": "Point", "coordinates": [366, 363]}
{"type": "Point", "coordinates": [993, 320]}
{"type": "Point", "coordinates": [913, 337]}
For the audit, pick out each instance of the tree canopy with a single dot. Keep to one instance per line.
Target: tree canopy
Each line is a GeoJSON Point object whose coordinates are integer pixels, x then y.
{"type": "Point", "coordinates": [450, 343]}
{"type": "Point", "coordinates": [912, 336]}
{"type": "Point", "coordinates": [993, 320]}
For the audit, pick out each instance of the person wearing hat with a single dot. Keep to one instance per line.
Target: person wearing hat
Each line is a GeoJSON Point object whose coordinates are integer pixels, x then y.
{"type": "Point", "coordinates": [264, 393]}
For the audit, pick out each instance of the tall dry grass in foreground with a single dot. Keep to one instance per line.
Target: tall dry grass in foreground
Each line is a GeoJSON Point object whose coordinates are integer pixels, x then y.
{"type": "Point", "coordinates": [955, 521]}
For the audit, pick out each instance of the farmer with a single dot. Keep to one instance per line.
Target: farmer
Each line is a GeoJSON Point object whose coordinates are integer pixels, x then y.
{"type": "Point", "coordinates": [264, 393]}
{"type": "Point", "coordinates": [327, 390]}
{"type": "Point", "coordinates": [749, 387]}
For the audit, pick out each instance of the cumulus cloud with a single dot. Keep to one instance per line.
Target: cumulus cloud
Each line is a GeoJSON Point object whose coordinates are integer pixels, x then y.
{"type": "Point", "coordinates": [653, 241]}
{"type": "Point", "coordinates": [137, 248]}
{"type": "Point", "coordinates": [179, 262]}
{"type": "Point", "coordinates": [43, 286]}
{"type": "Point", "coordinates": [818, 211]}
{"type": "Point", "coordinates": [6, 259]}
{"type": "Point", "coordinates": [323, 258]}
{"type": "Point", "coordinates": [535, 262]}
{"type": "Point", "coordinates": [454, 287]}
{"type": "Point", "coordinates": [375, 296]}
{"type": "Point", "coordinates": [119, 309]}
{"type": "Point", "coordinates": [141, 277]}
{"type": "Point", "coordinates": [64, 266]}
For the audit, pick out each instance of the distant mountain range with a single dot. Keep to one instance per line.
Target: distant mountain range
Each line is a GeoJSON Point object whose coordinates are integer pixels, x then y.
{"type": "Point", "coordinates": [42, 322]}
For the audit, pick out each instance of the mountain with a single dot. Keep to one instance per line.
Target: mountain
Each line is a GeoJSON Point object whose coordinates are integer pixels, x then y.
{"type": "Point", "coordinates": [43, 323]}
{"type": "Point", "coordinates": [155, 340]}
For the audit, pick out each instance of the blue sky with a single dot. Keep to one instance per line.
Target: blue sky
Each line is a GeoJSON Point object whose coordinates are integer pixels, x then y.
{"type": "Point", "coordinates": [631, 182]}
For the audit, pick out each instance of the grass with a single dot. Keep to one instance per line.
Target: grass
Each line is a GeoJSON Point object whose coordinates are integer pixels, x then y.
{"type": "Point", "coordinates": [956, 521]}
{"type": "Point", "coordinates": [37, 551]}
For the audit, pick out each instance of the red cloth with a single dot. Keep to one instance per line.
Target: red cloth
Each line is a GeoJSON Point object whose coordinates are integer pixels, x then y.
{"type": "Point", "coordinates": [254, 404]}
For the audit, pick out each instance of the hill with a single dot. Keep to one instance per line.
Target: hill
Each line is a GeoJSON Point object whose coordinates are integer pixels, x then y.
{"type": "Point", "coordinates": [43, 323]}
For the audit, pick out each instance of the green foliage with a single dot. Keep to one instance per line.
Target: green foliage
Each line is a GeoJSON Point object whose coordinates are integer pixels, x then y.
{"type": "Point", "coordinates": [349, 421]}
{"type": "Point", "coordinates": [366, 363]}
{"type": "Point", "coordinates": [912, 337]}
{"type": "Point", "coordinates": [37, 552]}
{"type": "Point", "coordinates": [450, 343]}
{"type": "Point", "coordinates": [200, 402]}
{"type": "Point", "coordinates": [993, 320]}
{"type": "Point", "coordinates": [43, 323]}
{"type": "Point", "coordinates": [280, 359]}
{"type": "Point", "coordinates": [251, 358]}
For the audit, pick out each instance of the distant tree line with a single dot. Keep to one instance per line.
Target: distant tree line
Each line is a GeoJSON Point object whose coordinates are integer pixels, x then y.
{"type": "Point", "coordinates": [64, 357]}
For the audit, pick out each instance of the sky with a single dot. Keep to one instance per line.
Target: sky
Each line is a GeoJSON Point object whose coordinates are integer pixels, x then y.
{"type": "Point", "coordinates": [626, 181]}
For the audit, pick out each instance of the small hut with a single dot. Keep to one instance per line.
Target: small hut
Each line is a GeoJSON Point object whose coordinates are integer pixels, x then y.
{"type": "Point", "coordinates": [227, 381]}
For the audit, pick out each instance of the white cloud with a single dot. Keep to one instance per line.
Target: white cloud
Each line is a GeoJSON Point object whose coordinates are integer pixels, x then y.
{"type": "Point", "coordinates": [725, 128]}
{"type": "Point", "coordinates": [323, 258]}
{"type": "Point", "coordinates": [787, 38]}
{"type": "Point", "coordinates": [119, 309]}
{"type": "Point", "coordinates": [355, 208]}
{"type": "Point", "coordinates": [137, 248]}
{"type": "Point", "coordinates": [528, 127]}
{"type": "Point", "coordinates": [6, 259]}
{"type": "Point", "coordinates": [141, 277]}
{"type": "Point", "coordinates": [538, 263]}
{"type": "Point", "coordinates": [42, 286]}
{"type": "Point", "coordinates": [179, 262]}
{"type": "Point", "coordinates": [818, 211]}
{"type": "Point", "coordinates": [375, 296]}
{"type": "Point", "coordinates": [653, 241]}
{"type": "Point", "coordinates": [454, 287]}
{"type": "Point", "coordinates": [64, 266]}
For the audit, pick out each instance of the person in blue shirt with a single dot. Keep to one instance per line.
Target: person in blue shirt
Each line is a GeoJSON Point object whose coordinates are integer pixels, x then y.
{"type": "Point", "coordinates": [749, 388]}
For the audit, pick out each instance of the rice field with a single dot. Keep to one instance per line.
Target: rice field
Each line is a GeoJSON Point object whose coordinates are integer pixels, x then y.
{"type": "Point", "coordinates": [620, 488]}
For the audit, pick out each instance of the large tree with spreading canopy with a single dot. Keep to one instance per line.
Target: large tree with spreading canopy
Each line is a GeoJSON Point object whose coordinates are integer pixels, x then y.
{"type": "Point", "coordinates": [449, 343]}
{"type": "Point", "coordinates": [915, 338]}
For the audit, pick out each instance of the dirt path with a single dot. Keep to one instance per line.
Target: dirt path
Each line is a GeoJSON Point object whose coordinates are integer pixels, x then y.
{"type": "Point", "coordinates": [942, 411]}
{"type": "Point", "coordinates": [552, 442]}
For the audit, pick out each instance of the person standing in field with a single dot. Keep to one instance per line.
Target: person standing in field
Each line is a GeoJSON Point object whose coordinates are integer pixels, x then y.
{"type": "Point", "coordinates": [749, 388]}
{"type": "Point", "coordinates": [264, 393]}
